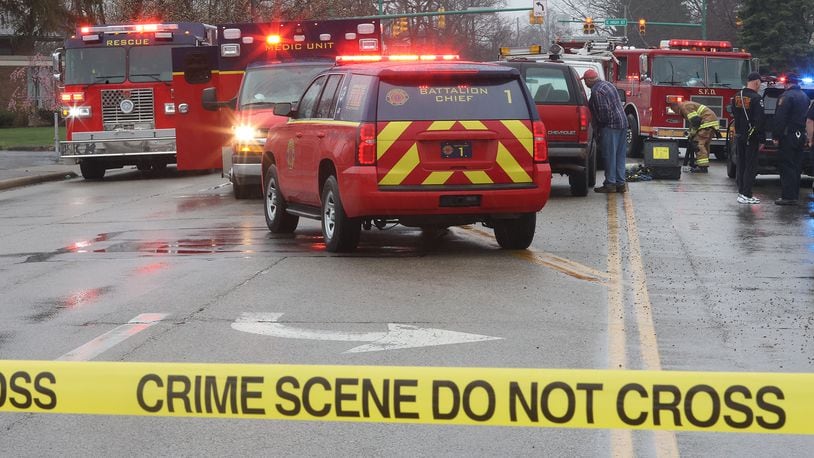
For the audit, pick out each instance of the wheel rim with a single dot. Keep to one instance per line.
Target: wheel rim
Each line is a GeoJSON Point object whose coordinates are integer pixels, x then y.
{"type": "Point", "coordinates": [271, 199]}
{"type": "Point", "coordinates": [329, 215]}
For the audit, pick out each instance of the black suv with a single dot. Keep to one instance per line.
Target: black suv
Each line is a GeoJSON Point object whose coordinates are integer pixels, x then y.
{"type": "Point", "coordinates": [767, 155]}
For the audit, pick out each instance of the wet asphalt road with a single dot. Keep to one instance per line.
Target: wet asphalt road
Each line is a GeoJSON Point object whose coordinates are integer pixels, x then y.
{"type": "Point", "coordinates": [729, 288]}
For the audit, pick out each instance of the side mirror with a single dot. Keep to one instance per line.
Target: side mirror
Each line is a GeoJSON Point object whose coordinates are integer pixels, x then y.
{"type": "Point", "coordinates": [283, 109]}
{"type": "Point", "coordinates": [755, 64]}
{"type": "Point", "coordinates": [622, 95]}
{"type": "Point", "coordinates": [209, 100]}
{"type": "Point", "coordinates": [56, 61]}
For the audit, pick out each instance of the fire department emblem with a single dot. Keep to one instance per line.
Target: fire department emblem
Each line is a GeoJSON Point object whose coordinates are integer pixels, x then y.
{"type": "Point", "coordinates": [447, 150]}
{"type": "Point", "coordinates": [126, 106]}
{"type": "Point", "coordinates": [397, 97]}
{"type": "Point", "coordinates": [289, 154]}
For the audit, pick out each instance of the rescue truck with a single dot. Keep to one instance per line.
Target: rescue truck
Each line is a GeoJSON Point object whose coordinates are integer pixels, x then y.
{"type": "Point", "coordinates": [121, 99]}
{"type": "Point", "coordinates": [270, 63]}
{"type": "Point", "coordinates": [704, 71]}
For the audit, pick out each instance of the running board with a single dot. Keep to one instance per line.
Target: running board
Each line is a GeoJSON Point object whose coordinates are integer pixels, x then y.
{"type": "Point", "coordinates": [304, 210]}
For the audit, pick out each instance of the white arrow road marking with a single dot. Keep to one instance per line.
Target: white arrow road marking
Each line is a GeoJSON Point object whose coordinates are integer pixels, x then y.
{"type": "Point", "coordinates": [397, 335]}
{"type": "Point", "coordinates": [113, 337]}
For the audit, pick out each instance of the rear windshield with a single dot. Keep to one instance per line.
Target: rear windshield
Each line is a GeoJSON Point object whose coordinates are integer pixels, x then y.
{"type": "Point", "coordinates": [549, 85]}
{"type": "Point", "coordinates": [444, 100]}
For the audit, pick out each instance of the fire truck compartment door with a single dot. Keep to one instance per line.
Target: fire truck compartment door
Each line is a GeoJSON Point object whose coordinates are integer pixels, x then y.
{"type": "Point", "coordinates": [199, 133]}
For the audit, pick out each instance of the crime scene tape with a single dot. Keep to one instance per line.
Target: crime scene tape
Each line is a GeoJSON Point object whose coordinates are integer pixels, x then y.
{"type": "Point", "coordinates": [565, 398]}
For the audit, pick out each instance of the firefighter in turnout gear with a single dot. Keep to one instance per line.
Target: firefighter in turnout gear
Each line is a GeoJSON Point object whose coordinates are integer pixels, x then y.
{"type": "Point", "coordinates": [703, 125]}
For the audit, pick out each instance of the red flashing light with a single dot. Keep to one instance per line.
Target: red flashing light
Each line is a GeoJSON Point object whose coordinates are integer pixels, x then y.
{"type": "Point", "coordinates": [273, 39]}
{"type": "Point", "coordinates": [85, 29]}
{"type": "Point", "coordinates": [782, 79]}
{"type": "Point", "coordinates": [366, 154]}
{"type": "Point", "coordinates": [340, 59]}
{"type": "Point", "coordinates": [702, 44]}
{"type": "Point", "coordinates": [398, 58]}
{"type": "Point", "coordinates": [72, 97]}
{"type": "Point", "coordinates": [540, 144]}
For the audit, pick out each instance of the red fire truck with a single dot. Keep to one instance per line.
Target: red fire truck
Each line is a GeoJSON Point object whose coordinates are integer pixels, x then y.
{"type": "Point", "coordinates": [707, 72]}
{"type": "Point", "coordinates": [268, 63]}
{"type": "Point", "coordinates": [123, 102]}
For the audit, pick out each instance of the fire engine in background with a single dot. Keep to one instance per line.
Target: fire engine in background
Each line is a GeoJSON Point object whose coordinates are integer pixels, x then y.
{"type": "Point", "coordinates": [272, 63]}
{"type": "Point", "coordinates": [707, 72]}
{"type": "Point", "coordinates": [121, 103]}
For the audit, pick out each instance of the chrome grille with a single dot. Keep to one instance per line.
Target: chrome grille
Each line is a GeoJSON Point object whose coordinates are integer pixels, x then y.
{"type": "Point", "coordinates": [142, 116]}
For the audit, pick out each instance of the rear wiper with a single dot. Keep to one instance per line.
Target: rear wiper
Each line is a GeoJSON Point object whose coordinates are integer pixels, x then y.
{"type": "Point", "coordinates": [154, 76]}
{"type": "Point", "coordinates": [104, 77]}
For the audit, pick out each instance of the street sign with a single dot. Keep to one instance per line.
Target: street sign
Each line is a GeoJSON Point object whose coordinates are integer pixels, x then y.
{"type": "Point", "coordinates": [615, 22]}
{"type": "Point", "coordinates": [537, 8]}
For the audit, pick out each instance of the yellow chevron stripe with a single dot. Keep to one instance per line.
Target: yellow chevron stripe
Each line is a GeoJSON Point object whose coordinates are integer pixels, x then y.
{"type": "Point", "coordinates": [522, 134]}
{"type": "Point", "coordinates": [403, 167]}
{"type": "Point", "coordinates": [478, 177]}
{"type": "Point", "coordinates": [387, 136]}
{"type": "Point", "coordinates": [437, 178]}
{"type": "Point", "coordinates": [473, 125]}
{"type": "Point", "coordinates": [509, 165]}
{"type": "Point", "coordinates": [441, 125]}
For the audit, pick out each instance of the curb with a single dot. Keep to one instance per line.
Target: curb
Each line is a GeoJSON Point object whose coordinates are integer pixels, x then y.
{"type": "Point", "coordinates": [34, 179]}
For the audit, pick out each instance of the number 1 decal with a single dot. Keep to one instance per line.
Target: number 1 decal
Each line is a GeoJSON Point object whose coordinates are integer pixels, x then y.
{"type": "Point", "coordinates": [508, 95]}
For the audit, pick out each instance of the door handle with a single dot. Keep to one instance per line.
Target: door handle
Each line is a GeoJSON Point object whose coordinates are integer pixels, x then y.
{"type": "Point", "coordinates": [320, 134]}
{"type": "Point", "coordinates": [299, 134]}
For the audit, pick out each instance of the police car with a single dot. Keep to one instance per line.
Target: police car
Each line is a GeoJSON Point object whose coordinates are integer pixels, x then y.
{"type": "Point", "coordinates": [425, 141]}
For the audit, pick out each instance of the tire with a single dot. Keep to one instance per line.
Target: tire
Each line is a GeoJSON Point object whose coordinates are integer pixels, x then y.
{"type": "Point", "coordinates": [341, 233]}
{"type": "Point", "coordinates": [731, 167]}
{"type": "Point", "coordinates": [515, 234]}
{"type": "Point", "coordinates": [277, 219]}
{"type": "Point", "coordinates": [719, 152]}
{"type": "Point", "coordinates": [634, 141]}
{"type": "Point", "coordinates": [143, 166]}
{"type": "Point", "coordinates": [242, 191]}
{"type": "Point", "coordinates": [92, 169]}
{"type": "Point", "coordinates": [579, 183]}
{"type": "Point", "coordinates": [592, 161]}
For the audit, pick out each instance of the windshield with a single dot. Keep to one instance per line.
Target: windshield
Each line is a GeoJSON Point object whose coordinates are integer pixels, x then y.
{"type": "Point", "coordinates": [727, 72]}
{"type": "Point", "coordinates": [94, 65]}
{"type": "Point", "coordinates": [678, 71]}
{"type": "Point", "coordinates": [150, 64]}
{"type": "Point", "coordinates": [268, 85]}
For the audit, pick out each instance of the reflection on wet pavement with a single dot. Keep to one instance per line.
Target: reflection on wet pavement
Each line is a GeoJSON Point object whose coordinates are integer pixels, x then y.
{"type": "Point", "coordinates": [72, 301]}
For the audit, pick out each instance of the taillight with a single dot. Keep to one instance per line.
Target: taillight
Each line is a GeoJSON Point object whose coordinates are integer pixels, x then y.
{"type": "Point", "coordinates": [366, 154]}
{"type": "Point", "coordinates": [583, 119]}
{"type": "Point", "coordinates": [540, 145]}
{"type": "Point", "coordinates": [670, 99]}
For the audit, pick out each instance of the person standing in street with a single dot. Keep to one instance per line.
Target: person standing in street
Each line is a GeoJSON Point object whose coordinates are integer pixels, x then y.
{"type": "Point", "coordinates": [789, 132]}
{"type": "Point", "coordinates": [810, 132]}
{"type": "Point", "coordinates": [610, 120]}
{"type": "Point", "coordinates": [703, 126]}
{"type": "Point", "coordinates": [747, 110]}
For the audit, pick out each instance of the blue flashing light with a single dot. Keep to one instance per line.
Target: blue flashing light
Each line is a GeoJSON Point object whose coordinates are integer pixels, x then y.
{"type": "Point", "coordinates": [807, 80]}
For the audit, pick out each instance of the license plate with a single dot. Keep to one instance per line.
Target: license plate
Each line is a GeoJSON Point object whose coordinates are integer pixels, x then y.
{"type": "Point", "coordinates": [456, 150]}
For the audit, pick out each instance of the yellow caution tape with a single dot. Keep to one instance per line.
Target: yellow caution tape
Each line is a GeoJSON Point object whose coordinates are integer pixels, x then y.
{"type": "Point", "coordinates": [667, 400]}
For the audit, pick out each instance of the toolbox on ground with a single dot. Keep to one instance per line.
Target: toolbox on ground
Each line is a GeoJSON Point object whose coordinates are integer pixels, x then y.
{"type": "Point", "coordinates": [662, 160]}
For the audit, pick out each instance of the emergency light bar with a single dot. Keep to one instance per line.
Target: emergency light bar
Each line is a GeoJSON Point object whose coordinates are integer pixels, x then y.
{"type": "Point", "coordinates": [129, 28]}
{"type": "Point", "coordinates": [700, 45]}
{"type": "Point", "coordinates": [396, 58]}
{"type": "Point", "coordinates": [533, 49]}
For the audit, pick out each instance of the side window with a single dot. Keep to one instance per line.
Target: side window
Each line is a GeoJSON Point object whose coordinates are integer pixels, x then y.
{"type": "Point", "coordinates": [325, 109]}
{"type": "Point", "coordinates": [621, 73]}
{"type": "Point", "coordinates": [197, 68]}
{"type": "Point", "coordinates": [308, 103]}
{"type": "Point", "coordinates": [548, 85]}
{"type": "Point", "coordinates": [353, 98]}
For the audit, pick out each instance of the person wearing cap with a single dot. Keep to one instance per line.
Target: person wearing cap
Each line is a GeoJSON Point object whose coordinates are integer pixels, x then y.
{"type": "Point", "coordinates": [747, 110]}
{"type": "Point", "coordinates": [789, 132]}
{"type": "Point", "coordinates": [610, 120]}
{"type": "Point", "coordinates": [703, 126]}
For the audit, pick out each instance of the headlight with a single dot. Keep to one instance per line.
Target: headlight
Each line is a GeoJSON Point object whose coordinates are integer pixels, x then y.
{"type": "Point", "coordinates": [246, 134]}
{"type": "Point", "coordinates": [76, 112]}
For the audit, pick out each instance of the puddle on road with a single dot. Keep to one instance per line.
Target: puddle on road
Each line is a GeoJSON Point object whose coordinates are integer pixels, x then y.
{"type": "Point", "coordinates": [78, 299]}
{"type": "Point", "coordinates": [192, 203]}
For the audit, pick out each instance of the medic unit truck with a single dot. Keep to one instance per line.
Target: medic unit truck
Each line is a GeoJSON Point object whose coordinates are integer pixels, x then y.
{"type": "Point", "coordinates": [119, 98]}
{"type": "Point", "coordinates": [704, 71]}
{"type": "Point", "coordinates": [270, 63]}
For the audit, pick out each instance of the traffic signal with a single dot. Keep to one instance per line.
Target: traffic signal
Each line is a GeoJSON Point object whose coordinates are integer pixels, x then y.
{"type": "Point", "coordinates": [405, 26]}
{"type": "Point", "coordinates": [442, 19]}
{"type": "Point", "coordinates": [588, 26]}
{"type": "Point", "coordinates": [399, 26]}
{"type": "Point", "coordinates": [642, 26]}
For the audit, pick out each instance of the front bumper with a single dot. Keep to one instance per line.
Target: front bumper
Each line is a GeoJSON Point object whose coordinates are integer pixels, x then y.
{"type": "Point", "coordinates": [119, 143]}
{"type": "Point", "coordinates": [363, 197]}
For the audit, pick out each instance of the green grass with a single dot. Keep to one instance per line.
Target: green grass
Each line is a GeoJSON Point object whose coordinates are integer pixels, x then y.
{"type": "Point", "coordinates": [29, 137]}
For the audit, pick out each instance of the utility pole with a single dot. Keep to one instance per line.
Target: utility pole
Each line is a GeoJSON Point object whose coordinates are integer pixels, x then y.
{"type": "Point", "coordinates": [703, 19]}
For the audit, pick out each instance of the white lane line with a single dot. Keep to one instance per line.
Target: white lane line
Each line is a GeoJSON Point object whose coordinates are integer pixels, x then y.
{"type": "Point", "coordinates": [112, 338]}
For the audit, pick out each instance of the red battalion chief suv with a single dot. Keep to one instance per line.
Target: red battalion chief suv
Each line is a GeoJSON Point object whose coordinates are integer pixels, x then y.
{"type": "Point", "coordinates": [425, 141]}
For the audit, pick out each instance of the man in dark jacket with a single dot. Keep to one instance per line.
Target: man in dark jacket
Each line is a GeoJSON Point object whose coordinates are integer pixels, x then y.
{"type": "Point", "coordinates": [747, 109]}
{"type": "Point", "coordinates": [789, 132]}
